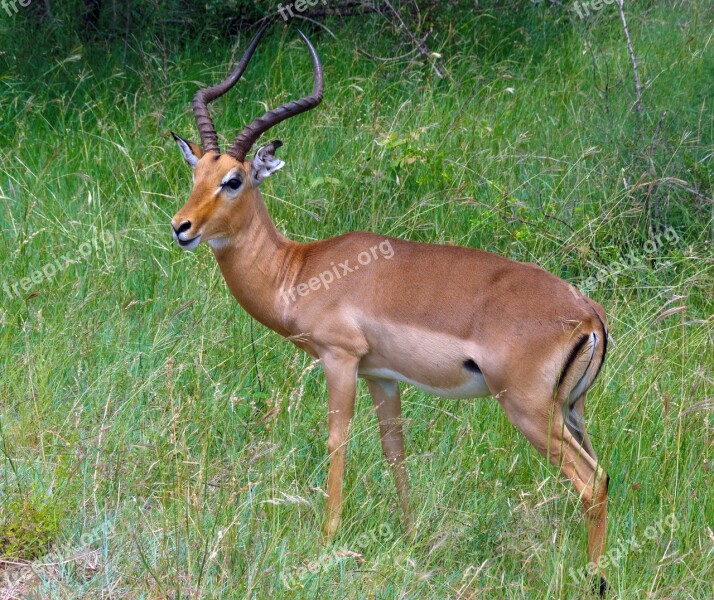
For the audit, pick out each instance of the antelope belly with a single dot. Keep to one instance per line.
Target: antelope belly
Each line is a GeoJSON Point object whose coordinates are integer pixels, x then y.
{"type": "Point", "coordinates": [474, 387]}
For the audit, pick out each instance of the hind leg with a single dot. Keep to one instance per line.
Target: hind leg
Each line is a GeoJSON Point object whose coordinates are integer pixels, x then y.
{"type": "Point", "coordinates": [548, 433]}
{"type": "Point", "coordinates": [387, 402]}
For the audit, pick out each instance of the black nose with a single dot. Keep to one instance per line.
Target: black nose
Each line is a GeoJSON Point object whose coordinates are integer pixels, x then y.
{"type": "Point", "coordinates": [185, 226]}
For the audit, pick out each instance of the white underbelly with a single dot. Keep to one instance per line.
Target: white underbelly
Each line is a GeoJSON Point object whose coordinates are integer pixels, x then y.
{"type": "Point", "coordinates": [475, 387]}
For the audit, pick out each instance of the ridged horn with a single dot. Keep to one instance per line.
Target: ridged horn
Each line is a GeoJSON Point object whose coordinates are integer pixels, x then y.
{"type": "Point", "coordinates": [206, 129]}
{"type": "Point", "coordinates": [245, 140]}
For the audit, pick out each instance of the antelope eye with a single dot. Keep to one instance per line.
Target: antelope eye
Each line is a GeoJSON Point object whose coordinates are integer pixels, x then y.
{"type": "Point", "coordinates": [233, 183]}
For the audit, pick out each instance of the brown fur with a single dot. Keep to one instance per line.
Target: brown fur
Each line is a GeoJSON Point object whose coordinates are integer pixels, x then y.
{"type": "Point", "coordinates": [423, 314]}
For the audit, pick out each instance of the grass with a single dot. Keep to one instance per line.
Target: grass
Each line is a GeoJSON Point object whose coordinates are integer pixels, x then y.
{"type": "Point", "coordinates": [162, 445]}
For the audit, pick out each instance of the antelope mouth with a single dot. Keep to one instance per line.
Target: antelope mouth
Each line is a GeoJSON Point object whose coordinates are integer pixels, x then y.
{"type": "Point", "coordinates": [188, 244]}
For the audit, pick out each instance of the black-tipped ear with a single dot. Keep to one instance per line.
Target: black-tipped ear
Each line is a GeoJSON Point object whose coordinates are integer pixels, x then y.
{"type": "Point", "coordinates": [191, 152]}
{"type": "Point", "coordinates": [265, 162]}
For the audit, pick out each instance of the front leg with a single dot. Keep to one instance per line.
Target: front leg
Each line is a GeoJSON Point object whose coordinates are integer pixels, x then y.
{"type": "Point", "coordinates": [341, 374]}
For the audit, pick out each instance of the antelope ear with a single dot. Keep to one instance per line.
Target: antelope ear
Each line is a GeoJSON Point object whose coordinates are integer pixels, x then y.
{"type": "Point", "coordinates": [191, 152]}
{"type": "Point", "coordinates": [265, 162]}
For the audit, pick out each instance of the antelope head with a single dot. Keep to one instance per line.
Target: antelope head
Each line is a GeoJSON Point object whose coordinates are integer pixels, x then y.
{"type": "Point", "coordinates": [225, 185]}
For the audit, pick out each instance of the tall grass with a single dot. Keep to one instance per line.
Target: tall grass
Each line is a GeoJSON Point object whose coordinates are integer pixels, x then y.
{"type": "Point", "coordinates": [155, 442]}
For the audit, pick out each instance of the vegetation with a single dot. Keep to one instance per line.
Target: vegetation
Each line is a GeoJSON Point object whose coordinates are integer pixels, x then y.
{"type": "Point", "coordinates": [148, 424]}
{"type": "Point", "coordinates": [27, 526]}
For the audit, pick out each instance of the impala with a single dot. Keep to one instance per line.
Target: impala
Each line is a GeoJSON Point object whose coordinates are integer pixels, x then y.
{"type": "Point", "coordinates": [456, 322]}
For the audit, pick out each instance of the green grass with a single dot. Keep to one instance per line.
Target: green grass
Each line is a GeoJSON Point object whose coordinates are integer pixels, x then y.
{"type": "Point", "coordinates": [155, 460]}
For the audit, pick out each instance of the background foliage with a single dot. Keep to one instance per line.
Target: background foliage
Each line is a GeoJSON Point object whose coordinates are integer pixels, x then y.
{"type": "Point", "coordinates": [143, 454]}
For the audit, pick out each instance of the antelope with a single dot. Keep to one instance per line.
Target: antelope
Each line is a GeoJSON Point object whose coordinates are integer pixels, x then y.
{"type": "Point", "coordinates": [456, 322]}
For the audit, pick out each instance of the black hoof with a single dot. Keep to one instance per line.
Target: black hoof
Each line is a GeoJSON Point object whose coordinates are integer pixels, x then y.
{"type": "Point", "coordinates": [602, 588]}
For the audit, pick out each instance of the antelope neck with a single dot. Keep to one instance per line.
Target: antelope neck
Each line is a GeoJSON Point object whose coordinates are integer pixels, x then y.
{"type": "Point", "coordinates": [255, 262]}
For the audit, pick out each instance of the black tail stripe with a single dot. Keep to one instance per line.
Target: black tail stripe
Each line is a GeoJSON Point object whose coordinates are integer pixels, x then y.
{"type": "Point", "coordinates": [572, 356]}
